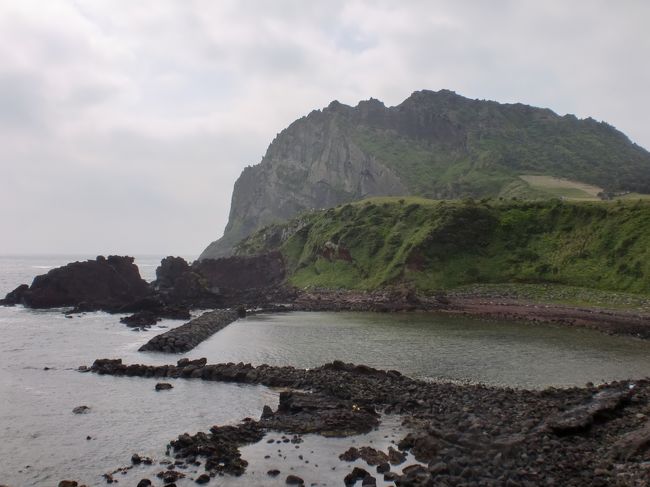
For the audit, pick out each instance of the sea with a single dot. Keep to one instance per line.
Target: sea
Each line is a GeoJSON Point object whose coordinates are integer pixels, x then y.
{"type": "Point", "coordinates": [43, 441]}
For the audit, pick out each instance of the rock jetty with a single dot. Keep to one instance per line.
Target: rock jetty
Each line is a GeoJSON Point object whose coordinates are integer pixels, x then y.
{"type": "Point", "coordinates": [185, 337]}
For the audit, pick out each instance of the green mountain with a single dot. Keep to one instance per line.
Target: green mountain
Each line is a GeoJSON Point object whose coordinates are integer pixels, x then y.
{"type": "Point", "coordinates": [433, 245]}
{"type": "Point", "coordinates": [436, 145]}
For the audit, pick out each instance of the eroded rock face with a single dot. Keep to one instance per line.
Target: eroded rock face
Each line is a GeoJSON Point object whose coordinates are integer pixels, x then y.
{"type": "Point", "coordinates": [239, 273]}
{"type": "Point", "coordinates": [103, 283]}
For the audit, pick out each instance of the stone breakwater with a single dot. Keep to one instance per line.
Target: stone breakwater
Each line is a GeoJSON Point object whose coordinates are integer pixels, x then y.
{"type": "Point", "coordinates": [460, 434]}
{"type": "Point", "coordinates": [185, 337]}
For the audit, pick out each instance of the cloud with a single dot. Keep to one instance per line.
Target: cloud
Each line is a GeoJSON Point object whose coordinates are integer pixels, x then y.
{"type": "Point", "coordinates": [123, 129]}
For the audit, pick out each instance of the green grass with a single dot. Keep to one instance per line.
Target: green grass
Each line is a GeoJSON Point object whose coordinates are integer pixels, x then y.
{"type": "Point", "coordinates": [434, 245]}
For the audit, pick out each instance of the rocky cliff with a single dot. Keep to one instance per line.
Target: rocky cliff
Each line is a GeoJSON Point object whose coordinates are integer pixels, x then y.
{"type": "Point", "coordinates": [434, 144]}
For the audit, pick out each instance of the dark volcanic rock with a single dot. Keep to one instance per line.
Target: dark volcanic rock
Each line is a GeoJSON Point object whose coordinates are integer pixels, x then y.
{"type": "Point", "coordinates": [301, 412]}
{"type": "Point", "coordinates": [356, 474]}
{"type": "Point", "coordinates": [471, 434]}
{"type": "Point", "coordinates": [203, 479]}
{"type": "Point", "coordinates": [368, 454]}
{"type": "Point", "coordinates": [176, 282]}
{"type": "Point", "coordinates": [142, 319]}
{"type": "Point", "coordinates": [294, 480]}
{"type": "Point", "coordinates": [103, 283]}
{"type": "Point", "coordinates": [163, 386]}
{"type": "Point", "coordinates": [16, 296]}
{"type": "Point", "coordinates": [220, 446]}
{"type": "Point", "coordinates": [189, 335]}
{"type": "Point", "coordinates": [260, 271]}
{"type": "Point", "coordinates": [578, 419]}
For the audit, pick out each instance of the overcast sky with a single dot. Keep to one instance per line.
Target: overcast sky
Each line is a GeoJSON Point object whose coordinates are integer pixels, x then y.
{"type": "Point", "coordinates": [124, 123]}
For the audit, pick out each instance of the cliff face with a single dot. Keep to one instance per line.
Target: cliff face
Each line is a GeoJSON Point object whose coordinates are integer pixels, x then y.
{"type": "Point", "coordinates": [434, 144]}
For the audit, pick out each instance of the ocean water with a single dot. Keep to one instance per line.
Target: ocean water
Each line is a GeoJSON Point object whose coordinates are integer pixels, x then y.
{"type": "Point", "coordinates": [44, 442]}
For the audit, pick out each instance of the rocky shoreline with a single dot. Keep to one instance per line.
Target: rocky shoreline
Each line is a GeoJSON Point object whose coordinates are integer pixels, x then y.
{"type": "Point", "coordinates": [113, 284]}
{"type": "Point", "coordinates": [458, 434]}
{"type": "Point", "coordinates": [613, 322]}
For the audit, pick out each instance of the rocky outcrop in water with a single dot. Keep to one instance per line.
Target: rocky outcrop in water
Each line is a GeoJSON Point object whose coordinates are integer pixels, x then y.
{"type": "Point", "coordinates": [114, 284]}
{"type": "Point", "coordinates": [103, 283]}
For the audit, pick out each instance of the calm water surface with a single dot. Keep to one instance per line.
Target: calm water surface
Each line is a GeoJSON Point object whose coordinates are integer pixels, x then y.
{"type": "Point", "coordinates": [43, 442]}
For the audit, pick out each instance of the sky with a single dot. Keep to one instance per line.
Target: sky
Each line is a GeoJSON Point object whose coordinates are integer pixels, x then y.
{"type": "Point", "coordinates": [124, 123]}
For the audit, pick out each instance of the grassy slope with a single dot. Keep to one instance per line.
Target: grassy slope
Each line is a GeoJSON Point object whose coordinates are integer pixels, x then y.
{"type": "Point", "coordinates": [442, 245]}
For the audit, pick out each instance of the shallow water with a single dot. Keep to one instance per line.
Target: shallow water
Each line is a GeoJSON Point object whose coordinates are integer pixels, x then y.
{"type": "Point", "coordinates": [38, 428]}
{"type": "Point", "coordinates": [434, 346]}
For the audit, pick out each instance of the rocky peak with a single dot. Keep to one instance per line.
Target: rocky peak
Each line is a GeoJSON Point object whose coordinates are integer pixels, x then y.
{"type": "Point", "coordinates": [436, 144]}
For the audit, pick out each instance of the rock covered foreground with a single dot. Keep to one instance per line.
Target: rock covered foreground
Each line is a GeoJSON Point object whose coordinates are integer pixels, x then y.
{"type": "Point", "coordinates": [461, 435]}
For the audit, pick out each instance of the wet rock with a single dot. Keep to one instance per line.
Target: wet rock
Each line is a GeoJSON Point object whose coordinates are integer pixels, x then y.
{"type": "Point", "coordinates": [356, 474]}
{"type": "Point", "coordinates": [273, 473]}
{"type": "Point", "coordinates": [169, 476]}
{"type": "Point", "coordinates": [423, 445]}
{"type": "Point", "coordinates": [220, 446]}
{"type": "Point", "coordinates": [383, 467]}
{"type": "Point", "coordinates": [368, 454]}
{"type": "Point", "coordinates": [203, 479]}
{"type": "Point", "coordinates": [395, 457]}
{"type": "Point", "coordinates": [369, 481]}
{"type": "Point", "coordinates": [294, 480]}
{"type": "Point", "coordinates": [142, 319]}
{"type": "Point", "coordinates": [81, 410]}
{"type": "Point", "coordinates": [68, 483]}
{"type": "Point", "coordinates": [267, 412]}
{"type": "Point", "coordinates": [137, 460]}
{"type": "Point", "coordinates": [16, 296]}
{"type": "Point", "coordinates": [144, 483]}
{"type": "Point", "coordinates": [164, 386]}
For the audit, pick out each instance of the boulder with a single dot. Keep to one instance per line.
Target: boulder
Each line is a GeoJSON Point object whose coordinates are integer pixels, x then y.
{"type": "Point", "coordinates": [294, 480]}
{"type": "Point", "coordinates": [580, 418]}
{"type": "Point", "coordinates": [142, 319]}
